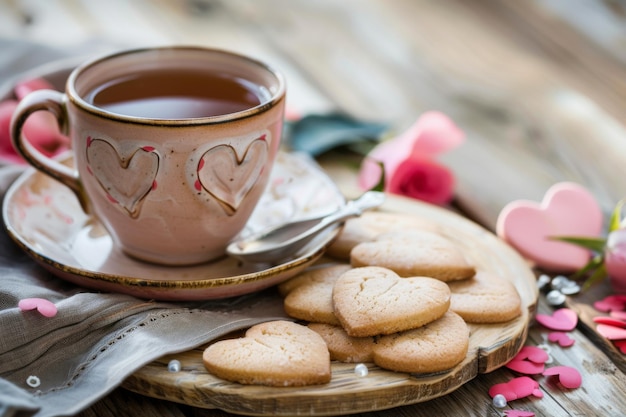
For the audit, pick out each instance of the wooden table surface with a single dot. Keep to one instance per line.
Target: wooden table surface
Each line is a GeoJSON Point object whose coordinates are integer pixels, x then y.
{"type": "Point", "coordinates": [539, 87]}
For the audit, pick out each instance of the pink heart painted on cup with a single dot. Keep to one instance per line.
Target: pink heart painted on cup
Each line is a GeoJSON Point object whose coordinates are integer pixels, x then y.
{"type": "Point", "coordinates": [126, 180]}
{"type": "Point", "coordinates": [568, 377]}
{"type": "Point", "coordinates": [44, 307]}
{"type": "Point", "coordinates": [611, 332]}
{"type": "Point", "coordinates": [567, 209]}
{"type": "Point", "coordinates": [563, 319]}
{"type": "Point", "coordinates": [517, 388]}
{"type": "Point", "coordinates": [228, 176]}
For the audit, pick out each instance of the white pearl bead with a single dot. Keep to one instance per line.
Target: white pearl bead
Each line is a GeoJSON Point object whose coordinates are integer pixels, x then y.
{"type": "Point", "coordinates": [33, 381]}
{"type": "Point", "coordinates": [499, 401]}
{"type": "Point", "coordinates": [361, 370]}
{"type": "Point", "coordinates": [173, 366]}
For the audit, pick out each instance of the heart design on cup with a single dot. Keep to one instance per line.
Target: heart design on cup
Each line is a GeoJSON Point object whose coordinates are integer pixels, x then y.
{"type": "Point", "coordinates": [567, 209]}
{"type": "Point", "coordinates": [228, 176]}
{"type": "Point", "coordinates": [126, 180]}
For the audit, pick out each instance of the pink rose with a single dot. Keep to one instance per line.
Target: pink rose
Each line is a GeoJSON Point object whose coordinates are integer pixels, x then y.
{"type": "Point", "coordinates": [615, 259]}
{"type": "Point", "coordinates": [423, 179]}
{"type": "Point", "coordinates": [41, 128]}
{"type": "Point", "coordinates": [415, 150]}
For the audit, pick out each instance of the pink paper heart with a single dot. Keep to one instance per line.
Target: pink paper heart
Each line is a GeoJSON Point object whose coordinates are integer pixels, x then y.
{"type": "Point", "coordinates": [611, 303]}
{"type": "Point", "coordinates": [567, 209]}
{"type": "Point", "coordinates": [43, 306]}
{"type": "Point", "coordinates": [620, 315]}
{"type": "Point", "coordinates": [561, 338]}
{"type": "Point", "coordinates": [563, 319]}
{"type": "Point", "coordinates": [530, 360]}
{"type": "Point", "coordinates": [517, 388]}
{"type": "Point", "coordinates": [611, 321]}
{"type": "Point", "coordinates": [568, 377]}
{"type": "Point", "coordinates": [611, 332]}
{"type": "Point", "coordinates": [519, 413]}
{"type": "Point", "coordinates": [621, 345]}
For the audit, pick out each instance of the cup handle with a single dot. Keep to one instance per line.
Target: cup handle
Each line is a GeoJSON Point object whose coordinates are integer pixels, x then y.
{"type": "Point", "coordinates": [54, 102]}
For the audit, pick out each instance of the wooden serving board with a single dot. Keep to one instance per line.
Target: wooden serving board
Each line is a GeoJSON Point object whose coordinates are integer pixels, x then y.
{"type": "Point", "coordinates": [491, 346]}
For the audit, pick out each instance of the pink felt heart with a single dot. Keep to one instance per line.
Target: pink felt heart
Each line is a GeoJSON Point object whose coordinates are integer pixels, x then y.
{"type": "Point", "coordinates": [611, 321]}
{"type": "Point", "coordinates": [611, 332]}
{"type": "Point", "coordinates": [43, 306]}
{"type": "Point", "coordinates": [567, 209]}
{"type": "Point", "coordinates": [519, 413]}
{"type": "Point", "coordinates": [568, 377]}
{"type": "Point", "coordinates": [611, 303]}
{"type": "Point", "coordinates": [563, 319]}
{"type": "Point", "coordinates": [530, 360]}
{"type": "Point", "coordinates": [620, 315]}
{"type": "Point", "coordinates": [517, 388]}
{"type": "Point", "coordinates": [621, 345]}
{"type": "Point", "coordinates": [561, 338]}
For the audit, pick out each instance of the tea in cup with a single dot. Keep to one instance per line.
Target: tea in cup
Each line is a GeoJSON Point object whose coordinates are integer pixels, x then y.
{"type": "Point", "coordinates": [172, 147]}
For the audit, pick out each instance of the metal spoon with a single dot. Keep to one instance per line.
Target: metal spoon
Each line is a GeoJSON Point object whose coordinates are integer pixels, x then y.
{"type": "Point", "coordinates": [279, 242]}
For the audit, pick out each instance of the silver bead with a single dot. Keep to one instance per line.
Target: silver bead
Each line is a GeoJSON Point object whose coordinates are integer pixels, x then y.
{"type": "Point", "coordinates": [543, 281]}
{"type": "Point", "coordinates": [173, 366]}
{"type": "Point", "coordinates": [559, 282]}
{"type": "Point", "coordinates": [570, 288]}
{"type": "Point", "coordinates": [499, 401]}
{"type": "Point", "coordinates": [555, 298]}
{"type": "Point", "coordinates": [361, 370]}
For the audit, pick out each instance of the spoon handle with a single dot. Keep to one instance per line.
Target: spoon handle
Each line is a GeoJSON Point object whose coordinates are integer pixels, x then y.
{"type": "Point", "coordinates": [353, 208]}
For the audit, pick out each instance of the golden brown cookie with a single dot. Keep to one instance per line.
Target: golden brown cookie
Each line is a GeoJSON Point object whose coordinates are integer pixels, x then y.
{"type": "Point", "coordinates": [342, 347]}
{"type": "Point", "coordinates": [278, 353]}
{"type": "Point", "coordinates": [438, 346]}
{"type": "Point", "coordinates": [371, 224]}
{"type": "Point", "coordinates": [412, 253]}
{"type": "Point", "coordinates": [485, 298]}
{"type": "Point", "coordinates": [370, 301]}
{"type": "Point", "coordinates": [310, 298]}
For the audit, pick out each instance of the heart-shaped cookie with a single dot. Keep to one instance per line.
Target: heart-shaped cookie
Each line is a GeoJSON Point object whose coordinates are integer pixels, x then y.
{"type": "Point", "coordinates": [438, 346]}
{"type": "Point", "coordinates": [567, 209]}
{"type": "Point", "coordinates": [229, 177]}
{"type": "Point", "coordinates": [311, 296]}
{"type": "Point", "coordinates": [277, 353]}
{"type": "Point", "coordinates": [485, 298]}
{"type": "Point", "coordinates": [125, 179]}
{"type": "Point", "coordinates": [412, 253]}
{"type": "Point", "coordinates": [371, 301]}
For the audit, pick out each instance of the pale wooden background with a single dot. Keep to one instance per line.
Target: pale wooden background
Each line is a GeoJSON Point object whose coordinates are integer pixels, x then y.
{"type": "Point", "coordinates": [539, 86]}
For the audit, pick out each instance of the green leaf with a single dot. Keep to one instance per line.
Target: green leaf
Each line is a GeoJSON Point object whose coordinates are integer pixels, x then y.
{"type": "Point", "coordinates": [616, 217]}
{"type": "Point", "coordinates": [380, 186]}
{"type": "Point", "coordinates": [597, 276]}
{"type": "Point", "coordinates": [594, 263]}
{"type": "Point", "coordinates": [595, 244]}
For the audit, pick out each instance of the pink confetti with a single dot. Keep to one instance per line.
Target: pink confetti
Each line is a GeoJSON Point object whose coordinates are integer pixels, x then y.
{"type": "Point", "coordinates": [621, 345]}
{"type": "Point", "coordinates": [611, 303]}
{"type": "Point", "coordinates": [568, 377]}
{"type": "Point", "coordinates": [618, 315]}
{"type": "Point", "coordinates": [611, 321]}
{"type": "Point", "coordinates": [517, 388]}
{"type": "Point", "coordinates": [530, 360]}
{"type": "Point", "coordinates": [43, 306]}
{"type": "Point", "coordinates": [563, 319]}
{"type": "Point", "coordinates": [561, 338]}
{"type": "Point", "coordinates": [519, 413]}
{"type": "Point", "coordinates": [611, 332]}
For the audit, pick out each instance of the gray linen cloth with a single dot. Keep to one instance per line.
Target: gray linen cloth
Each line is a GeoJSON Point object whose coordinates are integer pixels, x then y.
{"type": "Point", "coordinates": [96, 340]}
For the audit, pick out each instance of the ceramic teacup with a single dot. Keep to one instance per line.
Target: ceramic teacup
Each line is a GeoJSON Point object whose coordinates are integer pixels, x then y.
{"type": "Point", "coordinates": [172, 146]}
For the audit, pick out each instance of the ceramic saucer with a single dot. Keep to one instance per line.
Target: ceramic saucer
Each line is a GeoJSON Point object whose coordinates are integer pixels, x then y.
{"type": "Point", "coordinates": [45, 219]}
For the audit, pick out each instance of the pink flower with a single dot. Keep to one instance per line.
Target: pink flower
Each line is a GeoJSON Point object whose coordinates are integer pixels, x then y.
{"type": "Point", "coordinates": [41, 128]}
{"type": "Point", "coordinates": [408, 160]}
{"type": "Point", "coordinates": [423, 179]}
{"type": "Point", "coordinates": [615, 259]}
